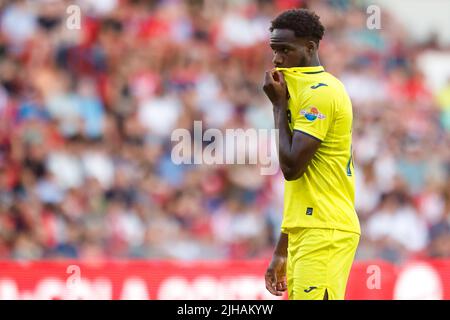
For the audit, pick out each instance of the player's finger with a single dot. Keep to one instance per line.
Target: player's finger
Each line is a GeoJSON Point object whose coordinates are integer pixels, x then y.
{"type": "Point", "coordinates": [281, 282]}
{"type": "Point", "coordinates": [271, 289]}
{"type": "Point", "coordinates": [281, 286]}
{"type": "Point", "coordinates": [274, 291]}
{"type": "Point", "coordinates": [269, 77]}
{"type": "Point", "coordinates": [271, 283]}
{"type": "Point", "coordinates": [270, 280]}
{"type": "Point", "coordinates": [280, 76]}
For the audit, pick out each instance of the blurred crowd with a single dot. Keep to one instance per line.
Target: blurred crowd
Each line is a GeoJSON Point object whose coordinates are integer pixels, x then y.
{"type": "Point", "coordinates": [87, 112]}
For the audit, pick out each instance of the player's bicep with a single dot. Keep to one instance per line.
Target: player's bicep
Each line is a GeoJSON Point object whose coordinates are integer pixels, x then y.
{"type": "Point", "coordinates": [304, 146]}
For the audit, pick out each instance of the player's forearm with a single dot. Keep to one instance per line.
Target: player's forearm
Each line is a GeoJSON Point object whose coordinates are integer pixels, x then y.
{"type": "Point", "coordinates": [282, 245]}
{"type": "Point", "coordinates": [288, 161]}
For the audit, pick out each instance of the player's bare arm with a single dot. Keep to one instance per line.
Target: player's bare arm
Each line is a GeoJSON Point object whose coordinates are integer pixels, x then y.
{"type": "Point", "coordinates": [276, 282]}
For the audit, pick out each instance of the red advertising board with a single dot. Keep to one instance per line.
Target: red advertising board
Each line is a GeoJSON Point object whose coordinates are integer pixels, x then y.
{"type": "Point", "coordinates": [233, 280]}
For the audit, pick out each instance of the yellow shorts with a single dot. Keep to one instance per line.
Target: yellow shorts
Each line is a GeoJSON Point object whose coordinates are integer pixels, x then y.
{"type": "Point", "coordinates": [319, 260]}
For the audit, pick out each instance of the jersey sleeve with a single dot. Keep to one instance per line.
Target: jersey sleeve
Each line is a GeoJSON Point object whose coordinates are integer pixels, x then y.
{"type": "Point", "coordinates": [315, 114]}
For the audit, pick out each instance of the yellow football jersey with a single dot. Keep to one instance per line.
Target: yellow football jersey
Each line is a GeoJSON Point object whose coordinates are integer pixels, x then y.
{"type": "Point", "coordinates": [324, 196]}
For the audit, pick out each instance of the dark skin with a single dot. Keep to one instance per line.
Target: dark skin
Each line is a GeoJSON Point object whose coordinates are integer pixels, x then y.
{"type": "Point", "coordinates": [295, 149]}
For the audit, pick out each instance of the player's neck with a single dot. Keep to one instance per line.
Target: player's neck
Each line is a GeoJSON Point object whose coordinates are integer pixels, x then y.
{"type": "Point", "coordinates": [314, 62]}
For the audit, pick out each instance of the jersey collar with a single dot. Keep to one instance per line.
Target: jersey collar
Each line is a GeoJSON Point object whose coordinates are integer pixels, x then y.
{"type": "Point", "coordinates": [306, 70]}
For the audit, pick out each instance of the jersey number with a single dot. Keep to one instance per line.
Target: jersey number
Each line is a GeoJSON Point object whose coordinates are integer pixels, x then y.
{"type": "Point", "coordinates": [350, 163]}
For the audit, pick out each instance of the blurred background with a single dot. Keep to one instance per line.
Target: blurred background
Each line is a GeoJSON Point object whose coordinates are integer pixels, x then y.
{"type": "Point", "coordinates": [87, 114]}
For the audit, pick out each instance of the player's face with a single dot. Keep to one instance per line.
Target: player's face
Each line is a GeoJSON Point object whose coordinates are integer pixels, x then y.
{"type": "Point", "coordinates": [288, 50]}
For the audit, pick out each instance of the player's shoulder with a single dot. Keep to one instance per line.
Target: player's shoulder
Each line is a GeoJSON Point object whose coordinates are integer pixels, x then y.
{"type": "Point", "coordinates": [323, 87]}
{"type": "Point", "coordinates": [326, 82]}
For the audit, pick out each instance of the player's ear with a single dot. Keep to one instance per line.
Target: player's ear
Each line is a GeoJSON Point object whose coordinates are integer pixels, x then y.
{"type": "Point", "coordinates": [312, 46]}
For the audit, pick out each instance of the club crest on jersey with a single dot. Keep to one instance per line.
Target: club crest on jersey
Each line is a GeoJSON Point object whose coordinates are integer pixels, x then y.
{"type": "Point", "coordinates": [312, 113]}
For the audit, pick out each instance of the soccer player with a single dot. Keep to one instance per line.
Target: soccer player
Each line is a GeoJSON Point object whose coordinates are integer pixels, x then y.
{"type": "Point", "coordinates": [313, 113]}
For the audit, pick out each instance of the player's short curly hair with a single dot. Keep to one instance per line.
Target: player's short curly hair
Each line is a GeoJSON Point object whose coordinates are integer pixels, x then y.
{"type": "Point", "coordinates": [304, 23]}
